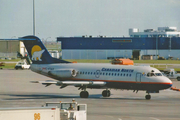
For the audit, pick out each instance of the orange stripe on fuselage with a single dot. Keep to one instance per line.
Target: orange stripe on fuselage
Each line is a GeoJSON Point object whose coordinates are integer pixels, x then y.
{"type": "Point", "coordinates": [122, 81]}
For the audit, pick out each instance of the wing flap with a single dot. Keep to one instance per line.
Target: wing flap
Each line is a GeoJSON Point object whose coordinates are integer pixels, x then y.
{"type": "Point", "coordinates": [66, 83]}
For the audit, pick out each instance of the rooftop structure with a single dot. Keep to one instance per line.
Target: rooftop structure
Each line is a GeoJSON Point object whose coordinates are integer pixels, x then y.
{"type": "Point", "coordinates": [161, 32]}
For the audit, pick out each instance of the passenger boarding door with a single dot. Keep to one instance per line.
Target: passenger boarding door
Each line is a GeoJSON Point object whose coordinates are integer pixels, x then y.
{"type": "Point", "coordinates": [82, 112]}
{"type": "Point", "coordinates": [138, 77]}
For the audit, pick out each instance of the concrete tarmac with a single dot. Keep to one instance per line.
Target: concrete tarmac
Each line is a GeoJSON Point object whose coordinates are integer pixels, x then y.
{"type": "Point", "coordinates": [17, 91]}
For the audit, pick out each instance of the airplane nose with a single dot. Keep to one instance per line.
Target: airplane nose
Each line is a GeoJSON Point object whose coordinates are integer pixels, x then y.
{"type": "Point", "coordinates": [168, 82]}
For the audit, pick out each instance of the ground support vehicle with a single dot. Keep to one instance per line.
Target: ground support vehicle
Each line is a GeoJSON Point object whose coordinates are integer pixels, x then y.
{"type": "Point", "coordinates": [70, 110]}
{"type": "Point", "coordinates": [50, 111]}
{"type": "Point", "coordinates": [22, 65]}
{"type": "Point", "coordinates": [172, 74]}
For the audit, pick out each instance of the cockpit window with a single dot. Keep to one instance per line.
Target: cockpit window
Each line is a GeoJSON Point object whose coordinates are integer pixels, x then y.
{"type": "Point", "coordinates": [158, 74]}
{"type": "Point", "coordinates": [154, 74]}
{"type": "Point", "coordinates": [150, 74]}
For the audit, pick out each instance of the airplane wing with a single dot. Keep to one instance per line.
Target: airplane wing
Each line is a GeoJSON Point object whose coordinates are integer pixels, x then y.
{"type": "Point", "coordinates": [64, 84]}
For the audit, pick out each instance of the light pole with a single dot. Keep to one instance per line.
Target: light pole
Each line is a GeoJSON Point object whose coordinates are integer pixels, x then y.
{"type": "Point", "coordinates": [157, 46]}
{"type": "Point", "coordinates": [33, 18]}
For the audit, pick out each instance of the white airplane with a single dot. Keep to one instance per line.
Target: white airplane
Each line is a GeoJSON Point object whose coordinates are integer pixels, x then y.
{"type": "Point", "coordinates": [89, 75]}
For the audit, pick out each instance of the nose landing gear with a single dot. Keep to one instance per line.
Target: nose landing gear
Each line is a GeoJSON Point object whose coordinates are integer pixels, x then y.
{"type": "Point", "coordinates": [148, 97]}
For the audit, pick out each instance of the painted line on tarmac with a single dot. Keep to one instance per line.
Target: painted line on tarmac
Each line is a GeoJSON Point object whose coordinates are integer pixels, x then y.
{"type": "Point", "coordinates": [109, 116]}
{"type": "Point", "coordinates": [154, 118]}
{"type": "Point", "coordinates": [119, 119]}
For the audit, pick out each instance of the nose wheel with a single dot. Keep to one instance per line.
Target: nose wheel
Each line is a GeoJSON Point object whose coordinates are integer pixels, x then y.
{"type": "Point", "coordinates": [106, 93]}
{"type": "Point", "coordinates": [148, 97]}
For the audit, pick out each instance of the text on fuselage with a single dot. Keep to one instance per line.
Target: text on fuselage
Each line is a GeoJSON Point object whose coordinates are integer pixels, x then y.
{"type": "Point", "coordinates": [117, 70]}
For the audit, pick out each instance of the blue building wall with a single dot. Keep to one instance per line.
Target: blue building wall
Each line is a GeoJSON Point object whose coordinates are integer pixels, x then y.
{"type": "Point", "coordinates": [107, 43]}
{"type": "Point", "coordinates": [102, 48]}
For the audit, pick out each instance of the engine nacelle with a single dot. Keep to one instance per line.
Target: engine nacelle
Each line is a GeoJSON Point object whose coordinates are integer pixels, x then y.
{"type": "Point", "coordinates": [63, 73]}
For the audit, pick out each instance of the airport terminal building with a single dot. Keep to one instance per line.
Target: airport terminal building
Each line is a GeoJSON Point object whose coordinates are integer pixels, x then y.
{"type": "Point", "coordinates": [150, 44]}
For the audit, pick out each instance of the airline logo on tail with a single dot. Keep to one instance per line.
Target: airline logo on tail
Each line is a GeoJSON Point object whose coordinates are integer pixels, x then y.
{"type": "Point", "coordinates": [36, 53]}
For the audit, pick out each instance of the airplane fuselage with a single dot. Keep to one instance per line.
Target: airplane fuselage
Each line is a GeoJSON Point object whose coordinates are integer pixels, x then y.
{"type": "Point", "coordinates": [115, 76]}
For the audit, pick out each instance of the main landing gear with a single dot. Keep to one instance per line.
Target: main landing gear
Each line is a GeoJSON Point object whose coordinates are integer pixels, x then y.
{"type": "Point", "coordinates": [85, 94]}
{"type": "Point", "coordinates": [106, 93]}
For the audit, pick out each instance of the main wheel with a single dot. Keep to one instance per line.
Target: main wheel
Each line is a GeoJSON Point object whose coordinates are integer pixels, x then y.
{"type": "Point", "coordinates": [178, 78]}
{"type": "Point", "coordinates": [148, 97]}
{"type": "Point", "coordinates": [84, 94]}
{"type": "Point", "coordinates": [106, 93]}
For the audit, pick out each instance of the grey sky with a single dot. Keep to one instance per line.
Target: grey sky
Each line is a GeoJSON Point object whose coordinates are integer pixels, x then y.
{"type": "Point", "coordinates": [85, 17]}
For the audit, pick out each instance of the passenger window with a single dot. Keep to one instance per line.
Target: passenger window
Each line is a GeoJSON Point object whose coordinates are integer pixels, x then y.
{"type": "Point", "coordinates": [106, 73]}
{"type": "Point", "coordinates": [115, 74]}
{"type": "Point", "coordinates": [124, 74]}
{"type": "Point", "coordinates": [118, 74]}
{"type": "Point", "coordinates": [129, 75]}
{"type": "Point", "coordinates": [112, 74]}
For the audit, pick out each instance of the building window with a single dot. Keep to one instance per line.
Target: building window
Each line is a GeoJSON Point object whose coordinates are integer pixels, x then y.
{"type": "Point", "coordinates": [122, 40]}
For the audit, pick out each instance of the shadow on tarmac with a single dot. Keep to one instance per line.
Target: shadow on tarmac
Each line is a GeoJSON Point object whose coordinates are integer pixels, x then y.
{"type": "Point", "coordinates": [51, 96]}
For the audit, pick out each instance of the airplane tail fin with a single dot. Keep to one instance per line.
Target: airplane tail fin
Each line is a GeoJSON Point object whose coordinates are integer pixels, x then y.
{"type": "Point", "coordinates": [38, 52]}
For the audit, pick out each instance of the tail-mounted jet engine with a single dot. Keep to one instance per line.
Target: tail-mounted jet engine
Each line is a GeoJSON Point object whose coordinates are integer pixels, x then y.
{"type": "Point", "coordinates": [63, 73]}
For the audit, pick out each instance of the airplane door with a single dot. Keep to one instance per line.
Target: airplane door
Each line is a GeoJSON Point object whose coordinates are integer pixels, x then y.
{"type": "Point", "coordinates": [138, 77]}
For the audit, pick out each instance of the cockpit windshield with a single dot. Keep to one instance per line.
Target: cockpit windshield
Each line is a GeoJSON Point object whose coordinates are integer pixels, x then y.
{"type": "Point", "coordinates": [150, 74]}
{"type": "Point", "coordinates": [158, 74]}
{"type": "Point", "coordinates": [154, 74]}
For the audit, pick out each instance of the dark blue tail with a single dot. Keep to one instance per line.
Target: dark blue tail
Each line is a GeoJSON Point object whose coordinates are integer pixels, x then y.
{"type": "Point", "coordinates": [38, 52]}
